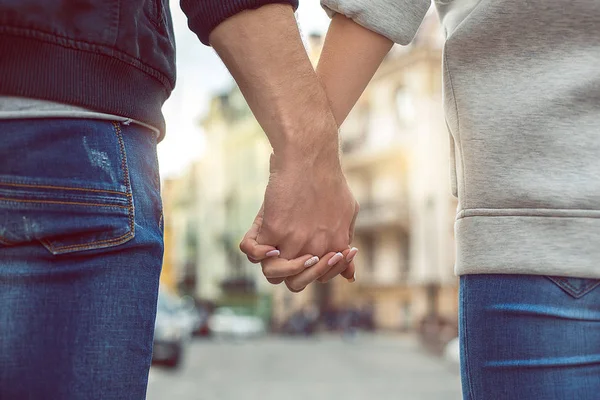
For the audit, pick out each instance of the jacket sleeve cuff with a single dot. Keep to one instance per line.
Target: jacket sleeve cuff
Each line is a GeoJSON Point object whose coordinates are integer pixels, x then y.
{"type": "Point", "coordinates": [205, 15]}
{"type": "Point", "coordinates": [398, 20]}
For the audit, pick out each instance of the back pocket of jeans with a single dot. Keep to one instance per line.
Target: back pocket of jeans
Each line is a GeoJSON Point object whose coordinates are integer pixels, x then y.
{"type": "Point", "coordinates": [576, 287]}
{"type": "Point", "coordinates": [64, 184]}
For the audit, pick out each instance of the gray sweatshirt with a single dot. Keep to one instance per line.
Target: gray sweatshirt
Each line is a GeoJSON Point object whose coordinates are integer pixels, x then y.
{"type": "Point", "coordinates": [522, 103]}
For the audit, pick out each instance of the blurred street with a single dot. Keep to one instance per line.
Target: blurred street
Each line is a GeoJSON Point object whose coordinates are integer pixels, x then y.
{"type": "Point", "coordinates": [318, 368]}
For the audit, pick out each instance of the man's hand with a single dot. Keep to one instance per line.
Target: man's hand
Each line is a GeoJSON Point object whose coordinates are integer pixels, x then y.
{"type": "Point", "coordinates": [308, 207]}
{"type": "Point", "coordinates": [302, 271]}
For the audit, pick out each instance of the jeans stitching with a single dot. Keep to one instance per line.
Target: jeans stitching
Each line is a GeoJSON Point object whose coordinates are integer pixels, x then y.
{"type": "Point", "coordinates": [76, 203]}
{"type": "Point", "coordinates": [590, 287]}
{"type": "Point", "coordinates": [126, 178]}
{"type": "Point", "coordinates": [570, 289]}
{"type": "Point", "coordinates": [560, 282]}
{"type": "Point", "coordinates": [123, 238]}
{"type": "Point", "coordinates": [90, 245]}
{"type": "Point", "coordinates": [470, 395]}
{"type": "Point", "coordinates": [569, 286]}
{"type": "Point", "coordinates": [63, 188]}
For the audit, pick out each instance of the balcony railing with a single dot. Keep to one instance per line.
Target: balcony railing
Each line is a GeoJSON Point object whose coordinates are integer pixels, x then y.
{"type": "Point", "coordinates": [381, 214]}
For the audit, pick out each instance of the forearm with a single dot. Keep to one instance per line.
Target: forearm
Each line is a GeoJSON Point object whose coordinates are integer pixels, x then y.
{"type": "Point", "coordinates": [264, 52]}
{"type": "Point", "coordinates": [351, 55]}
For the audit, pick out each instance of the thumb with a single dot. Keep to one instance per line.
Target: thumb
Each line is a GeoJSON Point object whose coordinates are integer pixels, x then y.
{"type": "Point", "coordinates": [250, 246]}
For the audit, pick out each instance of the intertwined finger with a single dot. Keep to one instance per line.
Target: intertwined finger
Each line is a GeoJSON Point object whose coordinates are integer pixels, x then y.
{"type": "Point", "coordinates": [342, 267]}
{"type": "Point", "coordinates": [299, 282]}
{"type": "Point", "coordinates": [350, 272]}
{"type": "Point", "coordinates": [274, 268]}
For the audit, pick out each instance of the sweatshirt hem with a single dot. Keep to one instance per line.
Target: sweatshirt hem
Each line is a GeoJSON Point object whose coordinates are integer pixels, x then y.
{"type": "Point", "coordinates": [528, 212]}
{"type": "Point", "coordinates": [528, 242]}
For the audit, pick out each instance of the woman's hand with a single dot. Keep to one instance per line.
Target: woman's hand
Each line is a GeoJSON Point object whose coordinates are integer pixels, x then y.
{"type": "Point", "coordinates": [297, 273]}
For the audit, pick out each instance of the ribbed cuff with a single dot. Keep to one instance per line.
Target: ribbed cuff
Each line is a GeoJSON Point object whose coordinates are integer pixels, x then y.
{"type": "Point", "coordinates": [82, 78]}
{"type": "Point", "coordinates": [204, 16]}
{"type": "Point", "coordinates": [561, 243]}
{"type": "Point", "coordinates": [398, 20]}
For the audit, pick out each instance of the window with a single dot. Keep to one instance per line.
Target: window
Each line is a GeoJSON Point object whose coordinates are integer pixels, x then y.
{"type": "Point", "coordinates": [404, 248]}
{"type": "Point", "coordinates": [405, 107]}
{"type": "Point", "coordinates": [368, 243]}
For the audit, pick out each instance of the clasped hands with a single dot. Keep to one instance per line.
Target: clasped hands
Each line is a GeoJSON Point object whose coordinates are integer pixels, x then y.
{"type": "Point", "coordinates": [304, 229]}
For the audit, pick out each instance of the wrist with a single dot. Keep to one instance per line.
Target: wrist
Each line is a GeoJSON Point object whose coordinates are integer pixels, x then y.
{"type": "Point", "coordinates": [308, 135]}
{"type": "Point", "coordinates": [322, 156]}
{"type": "Point", "coordinates": [310, 148]}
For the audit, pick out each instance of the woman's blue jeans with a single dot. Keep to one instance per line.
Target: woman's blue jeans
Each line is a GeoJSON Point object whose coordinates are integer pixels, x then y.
{"type": "Point", "coordinates": [529, 337]}
{"type": "Point", "coordinates": [80, 258]}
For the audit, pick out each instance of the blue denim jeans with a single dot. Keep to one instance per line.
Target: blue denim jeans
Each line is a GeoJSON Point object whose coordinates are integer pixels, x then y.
{"type": "Point", "coordinates": [80, 258]}
{"type": "Point", "coordinates": [529, 337]}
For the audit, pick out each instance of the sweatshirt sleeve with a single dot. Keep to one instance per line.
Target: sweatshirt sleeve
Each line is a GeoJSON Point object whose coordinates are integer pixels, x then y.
{"type": "Point", "coordinates": [398, 20]}
{"type": "Point", "coordinates": [205, 15]}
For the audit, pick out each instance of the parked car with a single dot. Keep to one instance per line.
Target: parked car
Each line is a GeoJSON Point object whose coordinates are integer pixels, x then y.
{"type": "Point", "coordinates": [202, 328]}
{"type": "Point", "coordinates": [190, 315]}
{"type": "Point", "coordinates": [452, 351]}
{"type": "Point", "coordinates": [229, 322]}
{"type": "Point", "coordinates": [171, 331]}
{"type": "Point", "coordinates": [196, 313]}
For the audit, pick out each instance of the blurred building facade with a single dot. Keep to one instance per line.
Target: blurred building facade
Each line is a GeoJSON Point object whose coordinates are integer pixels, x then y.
{"type": "Point", "coordinates": [210, 207]}
{"type": "Point", "coordinates": [395, 155]}
{"type": "Point", "coordinates": [180, 207]}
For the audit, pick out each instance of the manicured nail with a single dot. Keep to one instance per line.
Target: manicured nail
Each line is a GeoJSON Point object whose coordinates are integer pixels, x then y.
{"type": "Point", "coordinates": [351, 254]}
{"type": "Point", "coordinates": [353, 279]}
{"type": "Point", "coordinates": [273, 253]}
{"type": "Point", "coordinates": [335, 259]}
{"type": "Point", "coordinates": [310, 262]}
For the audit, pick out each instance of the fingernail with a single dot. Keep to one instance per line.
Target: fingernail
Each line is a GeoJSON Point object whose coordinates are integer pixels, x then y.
{"type": "Point", "coordinates": [353, 279]}
{"type": "Point", "coordinates": [351, 254]}
{"type": "Point", "coordinates": [310, 262]}
{"type": "Point", "coordinates": [273, 253]}
{"type": "Point", "coordinates": [335, 259]}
